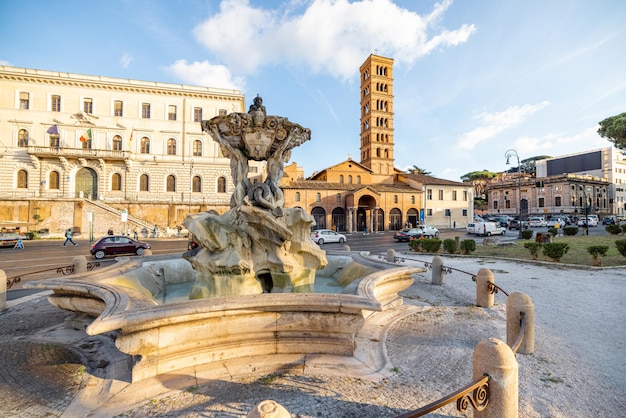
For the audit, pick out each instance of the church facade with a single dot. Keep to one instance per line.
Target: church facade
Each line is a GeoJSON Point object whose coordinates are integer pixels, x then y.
{"type": "Point", "coordinates": [371, 194]}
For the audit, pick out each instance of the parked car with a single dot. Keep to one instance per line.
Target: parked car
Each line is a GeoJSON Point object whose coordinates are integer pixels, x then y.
{"type": "Point", "coordinates": [609, 220]}
{"type": "Point", "coordinates": [8, 239]}
{"type": "Point", "coordinates": [420, 231]}
{"type": "Point", "coordinates": [117, 244]}
{"type": "Point", "coordinates": [320, 236]}
{"type": "Point", "coordinates": [536, 221]}
{"type": "Point", "coordinates": [470, 228]}
{"type": "Point", "coordinates": [589, 221]}
{"type": "Point", "coordinates": [514, 224]}
{"type": "Point", "coordinates": [501, 220]}
{"type": "Point", "coordinates": [554, 221]}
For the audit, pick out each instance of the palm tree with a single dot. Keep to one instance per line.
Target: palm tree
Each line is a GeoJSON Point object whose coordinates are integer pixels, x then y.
{"type": "Point", "coordinates": [416, 170]}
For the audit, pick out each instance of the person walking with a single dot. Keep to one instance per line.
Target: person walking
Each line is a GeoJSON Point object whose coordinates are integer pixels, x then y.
{"type": "Point", "coordinates": [135, 234]}
{"type": "Point", "coordinates": [68, 237]}
{"type": "Point", "coordinates": [19, 244]}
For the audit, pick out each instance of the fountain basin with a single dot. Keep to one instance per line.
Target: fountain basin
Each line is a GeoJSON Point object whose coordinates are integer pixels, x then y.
{"type": "Point", "coordinates": [166, 338]}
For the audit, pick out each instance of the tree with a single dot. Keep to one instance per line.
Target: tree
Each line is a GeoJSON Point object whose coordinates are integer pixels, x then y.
{"type": "Point", "coordinates": [614, 129]}
{"type": "Point", "coordinates": [478, 179]}
{"type": "Point", "coordinates": [416, 170]}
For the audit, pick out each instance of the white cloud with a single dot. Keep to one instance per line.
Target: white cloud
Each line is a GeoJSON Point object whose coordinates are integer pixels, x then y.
{"type": "Point", "coordinates": [561, 144]}
{"type": "Point", "coordinates": [205, 74]}
{"type": "Point", "coordinates": [329, 36]}
{"type": "Point", "coordinates": [4, 62]}
{"type": "Point", "coordinates": [125, 60]}
{"type": "Point", "coordinates": [495, 123]}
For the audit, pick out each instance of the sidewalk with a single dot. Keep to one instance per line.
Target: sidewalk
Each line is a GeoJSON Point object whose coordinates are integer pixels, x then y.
{"type": "Point", "coordinates": [578, 368]}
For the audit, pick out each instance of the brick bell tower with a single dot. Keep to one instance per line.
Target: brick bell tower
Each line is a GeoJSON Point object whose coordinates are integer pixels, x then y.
{"type": "Point", "coordinates": [377, 117]}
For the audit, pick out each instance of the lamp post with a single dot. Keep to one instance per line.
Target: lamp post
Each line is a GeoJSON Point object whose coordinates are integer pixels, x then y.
{"type": "Point", "coordinates": [512, 153]}
{"type": "Point", "coordinates": [586, 209]}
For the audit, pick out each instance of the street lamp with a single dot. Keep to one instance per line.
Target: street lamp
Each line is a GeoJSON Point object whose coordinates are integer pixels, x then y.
{"type": "Point", "coordinates": [512, 153]}
{"type": "Point", "coordinates": [586, 209]}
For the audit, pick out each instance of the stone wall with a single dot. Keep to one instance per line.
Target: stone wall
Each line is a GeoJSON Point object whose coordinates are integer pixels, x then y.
{"type": "Point", "coordinates": [57, 215]}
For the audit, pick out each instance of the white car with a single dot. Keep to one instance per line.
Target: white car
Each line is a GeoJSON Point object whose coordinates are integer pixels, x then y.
{"type": "Point", "coordinates": [536, 221]}
{"type": "Point", "coordinates": [591, 221]}
{"type": "Point", "coordinates": [425, 231]}
{"type": "Point", "coordinates": [320, 236]}
{"type": "Point", "coordinates": [554, 221]}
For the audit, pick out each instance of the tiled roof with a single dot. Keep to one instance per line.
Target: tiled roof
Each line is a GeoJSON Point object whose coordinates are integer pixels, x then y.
{"type": "Point", "coordinates": [350, 187]}
{"type": "Point", "coordinates": [428, 180]}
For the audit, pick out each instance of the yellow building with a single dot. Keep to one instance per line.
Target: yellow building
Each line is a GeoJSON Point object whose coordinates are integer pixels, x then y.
{"type": "Point", "coordinates": [79, 150]}
{"type": "Point", "coordinates": [372, 194]}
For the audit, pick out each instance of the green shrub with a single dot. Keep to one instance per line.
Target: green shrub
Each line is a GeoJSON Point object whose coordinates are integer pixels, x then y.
{"type": "Point", "coordinates": [553, 231]}
{"type": "Point", "coordinates": [450, 245]}
{"type": "Point", "coordinates": [527, 233]}
{"type": "Point", "coordinates": [621, 246]}
{"type": "Point", "coordinates": [555, 250]}
{"type": "Point", "coordinates": [431, 245]}
{"type": "Point", "coordinates": [416, 245]}
{"type": "Point", "coordinates": [624, 228]}
{"type": "Point", "coordinates": [596, 252]}
{"type": "Point", "coordinates": [570, 231]}
{"type": "Point", "coordinates": [32, 235]}
{"type": "Point", "coordinates": [534, 248]}
{"type": "Point", "coordinates": [467, 246]}
{"type": "Point", "coordinates": [613, 229]}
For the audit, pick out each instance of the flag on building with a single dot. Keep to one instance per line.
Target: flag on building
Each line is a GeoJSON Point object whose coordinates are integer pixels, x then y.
{"type": "Point", "coordinates": [86, 135]}
{"type": "Point", "coordinates": [53, 130]}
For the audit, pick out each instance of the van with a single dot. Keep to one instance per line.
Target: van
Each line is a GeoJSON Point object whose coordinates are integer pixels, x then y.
{"type": "Point", "coordinates": [489, 228]}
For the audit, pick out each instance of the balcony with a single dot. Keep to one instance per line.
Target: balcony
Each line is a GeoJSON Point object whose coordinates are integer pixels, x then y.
{"type": "Point", "coordinates": [78, 153]}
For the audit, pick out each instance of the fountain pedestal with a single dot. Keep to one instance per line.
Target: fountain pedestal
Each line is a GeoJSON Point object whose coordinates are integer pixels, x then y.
{"type": "Point", "coordinates": [249, 250]}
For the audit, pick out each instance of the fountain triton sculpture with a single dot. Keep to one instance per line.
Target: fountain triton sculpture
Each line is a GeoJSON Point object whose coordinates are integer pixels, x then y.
{"type": "Point", "coordinates": [258, 245]}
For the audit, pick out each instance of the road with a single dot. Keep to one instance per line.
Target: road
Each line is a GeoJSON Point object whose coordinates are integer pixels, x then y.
{"type": "Point", "coordinates": [50, 254]}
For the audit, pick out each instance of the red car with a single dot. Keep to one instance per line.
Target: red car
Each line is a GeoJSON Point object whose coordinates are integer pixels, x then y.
{"type": "Point", "coordinates": [117, 244]}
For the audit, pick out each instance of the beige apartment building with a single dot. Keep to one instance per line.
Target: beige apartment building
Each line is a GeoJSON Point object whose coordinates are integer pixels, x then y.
{"type": "Point", "coordinates": [569, 194]}
{"type": "Point", "coordinates": [371, 194]}
{"type": "Point", "coordinates": [97, 152]}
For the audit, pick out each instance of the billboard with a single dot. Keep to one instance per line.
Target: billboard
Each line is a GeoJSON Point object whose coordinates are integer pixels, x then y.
{"type": "Point", "coordinates": [575, 164]}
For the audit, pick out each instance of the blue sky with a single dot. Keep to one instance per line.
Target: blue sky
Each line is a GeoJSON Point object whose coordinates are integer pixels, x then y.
{"type": "Point", "coordinates": [471, 78]}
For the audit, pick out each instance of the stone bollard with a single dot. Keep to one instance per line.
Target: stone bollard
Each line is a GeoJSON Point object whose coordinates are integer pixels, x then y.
{"type": "Point", "coordinates": [495, 358]}
{"type": "Point", "coordinates": [80, 264]}
{"type": "Point", "coordinates": [3, 290]}
{"type": "Point", "coordinates": [346, 247]}
{"type": "Point", "coordinates": [484, 297]}
{"type": "Point", "coordinates": [269, 409]}
{"type": "Point", "coordinates": [517, 303]}
{"type": "Point", "coordinates": [391, 255]}
{"type": "Point", "coordinates": [147, 251]}
{"type": "Point", "coordinates": [437, 267]}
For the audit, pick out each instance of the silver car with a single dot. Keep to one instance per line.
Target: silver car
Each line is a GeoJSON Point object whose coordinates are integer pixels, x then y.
{"type": "Point", "coordinates": [321, 236]}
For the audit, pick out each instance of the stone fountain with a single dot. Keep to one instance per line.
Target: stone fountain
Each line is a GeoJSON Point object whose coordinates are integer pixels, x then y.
{"type": "Point", "coordinates": [259, 245]}
{"type": "Point", "coordinates": [249, 308]}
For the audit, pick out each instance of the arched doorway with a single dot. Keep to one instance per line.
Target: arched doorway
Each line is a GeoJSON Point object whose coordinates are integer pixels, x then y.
{"type": "Point", "coordinates": [339, 219]}
{"type": "Point", "coordinates": [395, 219]}
{"type": "Point", "coordinates": [87, 183]}
{"type": "Point", "coordinates": [413, 217]}
{"type": "Point", "coordinates": [319, 215]}
{"type": "Point", "coordinates": [364, 220]}
{"type": "Point", "coordinates": [524, 208]}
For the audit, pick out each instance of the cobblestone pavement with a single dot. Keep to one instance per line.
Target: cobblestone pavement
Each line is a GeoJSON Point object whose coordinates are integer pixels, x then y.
{"type": "Point", "coordinates": [38, 378]}
{"type": "Point", "coordinates": [430, 345]}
